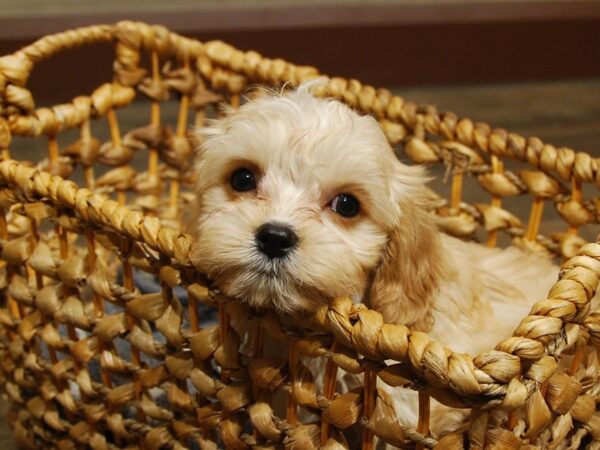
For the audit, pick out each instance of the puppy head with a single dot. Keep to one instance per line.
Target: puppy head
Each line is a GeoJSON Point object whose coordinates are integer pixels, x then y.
{"type": "Point", "coordinates": [301, 200]}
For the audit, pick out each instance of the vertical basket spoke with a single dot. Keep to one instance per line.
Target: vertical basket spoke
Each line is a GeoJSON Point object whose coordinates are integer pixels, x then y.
{"type": "Point", "coordinates": [329, 386]}
{"type": "Point", "coordinates": [292, 407]}
{"type": "Point", "coordinates": [457, 184]}
{"type": "Point", "coordinates": [535, 218]}
{"type": "Point", "coordinates": [88, 169]}
{"type": "Point", "coordinates": [424, 416]}
{"type": "Point", "coordinates": [369, 397]}
{"type": "Point", "coordinates": [576, 196]}
{"type": "Point", "coordinates": [154, 116]}
{"type": "Point", "coordinates": [497, 167]}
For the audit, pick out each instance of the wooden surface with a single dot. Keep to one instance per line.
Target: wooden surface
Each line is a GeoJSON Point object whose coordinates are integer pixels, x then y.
{"type": "Point", "coordinates": [563, 113]}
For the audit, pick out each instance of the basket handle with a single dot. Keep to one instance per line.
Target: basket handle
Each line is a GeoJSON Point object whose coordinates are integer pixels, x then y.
{"type": "Point", "coordinates": [131, 38]}
{"type": "Point", "coordinates": [15, 69]}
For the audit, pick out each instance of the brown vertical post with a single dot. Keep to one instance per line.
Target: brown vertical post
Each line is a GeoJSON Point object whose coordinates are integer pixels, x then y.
{"type": "Point", "coordinates": [154, 117]}
{"type": "Point", "coordinates": [292, 408]}
{"type": "Point", "coordinates": [424, 414]}
{"type": "Point", "coordinates": [88, 171]}
{"type": "Point", "coordinates": [182, 120]}
{"type": "Point", "coordinates": [223, 331]}
{"type": "Point", "coordinates": [497, 167]}
{"type": "Point", "coordinates": [535, 217]}
{"type": "Point", "coordinates": [369, 396]}
{"type": "Point", "coordinates": [329, 385]}
{"type": "Point", "coordinates": [457, 182]}
{"type": "Point", "coordinates": [576, 196]}
{"type": "Point", "coordinates": [235, 101]}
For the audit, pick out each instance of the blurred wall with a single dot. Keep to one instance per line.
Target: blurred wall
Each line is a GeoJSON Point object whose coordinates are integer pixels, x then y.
{"type": "Point", "coordinates": [385, 43]}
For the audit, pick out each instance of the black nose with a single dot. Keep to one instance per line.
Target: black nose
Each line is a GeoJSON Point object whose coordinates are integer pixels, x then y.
{"type": "Point", "coordinates": [275, 240]}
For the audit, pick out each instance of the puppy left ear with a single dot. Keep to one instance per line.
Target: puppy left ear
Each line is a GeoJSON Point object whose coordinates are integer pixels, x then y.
{"type": "Point", "coordinates": [407, 279]}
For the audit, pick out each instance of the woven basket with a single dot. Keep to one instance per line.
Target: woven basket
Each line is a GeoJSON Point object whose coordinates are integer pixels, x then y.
{"type": "Point", "coordinates": [110, 338]}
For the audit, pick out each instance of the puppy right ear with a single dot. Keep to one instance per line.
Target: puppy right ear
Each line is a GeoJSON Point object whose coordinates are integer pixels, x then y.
{"type": "Point", "coordinates": [412, 266]}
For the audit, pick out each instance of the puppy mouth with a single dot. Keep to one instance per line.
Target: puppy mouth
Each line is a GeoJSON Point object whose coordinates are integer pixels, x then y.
{"type": "Point", "coordinates": [271, 268]}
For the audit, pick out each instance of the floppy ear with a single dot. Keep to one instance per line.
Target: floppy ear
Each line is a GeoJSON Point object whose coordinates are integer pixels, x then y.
{"type": "Point", "coordinates": [407, 279]}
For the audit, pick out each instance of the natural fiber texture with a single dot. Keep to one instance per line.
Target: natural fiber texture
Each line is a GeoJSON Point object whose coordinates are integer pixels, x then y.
{"type": "Point", "coordinates": [106, 335]}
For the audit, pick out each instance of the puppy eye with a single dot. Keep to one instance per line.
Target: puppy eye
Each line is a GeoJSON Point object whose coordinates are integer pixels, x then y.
{"type": "Point", "coordinates": [243, 180]}
{"type": "Point", "coordinates": [345, 205]}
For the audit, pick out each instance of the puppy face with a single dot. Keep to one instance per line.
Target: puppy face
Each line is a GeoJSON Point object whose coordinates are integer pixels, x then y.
{"type": "Point", "coordinates": [298, 198]}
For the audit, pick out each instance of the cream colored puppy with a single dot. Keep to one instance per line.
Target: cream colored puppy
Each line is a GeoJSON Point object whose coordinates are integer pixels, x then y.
{"type": "Point", "coordinates": [302, 199]}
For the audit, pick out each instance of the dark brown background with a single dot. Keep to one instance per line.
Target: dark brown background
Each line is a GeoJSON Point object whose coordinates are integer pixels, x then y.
{"type": "Point", "coordinates": [385, 42]}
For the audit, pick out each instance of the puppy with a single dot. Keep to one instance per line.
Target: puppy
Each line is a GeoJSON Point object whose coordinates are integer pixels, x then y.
{"type": "Point", "coordinates": [302, 199]}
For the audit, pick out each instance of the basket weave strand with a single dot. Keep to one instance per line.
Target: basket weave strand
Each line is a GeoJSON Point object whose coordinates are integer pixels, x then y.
{"type": "Point", "coordinates": [107, 333]}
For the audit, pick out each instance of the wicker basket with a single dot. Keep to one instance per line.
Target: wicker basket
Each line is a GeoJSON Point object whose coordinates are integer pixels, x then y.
{"type": "Point", "coordinates": [111, 339]}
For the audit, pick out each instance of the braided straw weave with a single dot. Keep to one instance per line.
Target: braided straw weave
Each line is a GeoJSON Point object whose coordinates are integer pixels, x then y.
{"type": "Point", "coordinates": [90, 357]}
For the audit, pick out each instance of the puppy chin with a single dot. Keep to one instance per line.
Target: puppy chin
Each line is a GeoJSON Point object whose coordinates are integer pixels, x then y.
{"type": "Point", "coordinates": [263, 283]}
{"type": "Point", "coordinates": [267, 288]}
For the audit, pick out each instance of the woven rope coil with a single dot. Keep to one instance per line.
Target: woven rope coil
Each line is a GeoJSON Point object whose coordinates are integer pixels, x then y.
{"type": "Point", "coordinates": [89, 357]}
